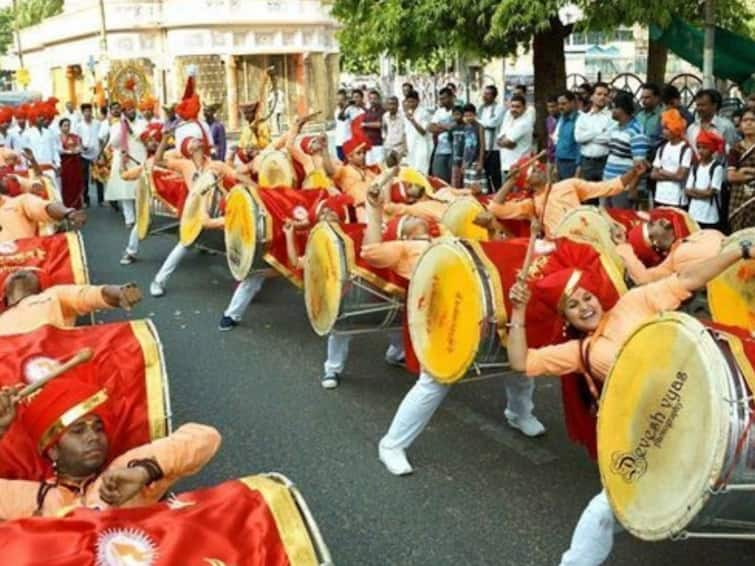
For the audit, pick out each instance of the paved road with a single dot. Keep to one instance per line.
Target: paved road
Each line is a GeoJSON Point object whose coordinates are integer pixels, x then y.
{"type": "Point", "coordinates": [481, 494]}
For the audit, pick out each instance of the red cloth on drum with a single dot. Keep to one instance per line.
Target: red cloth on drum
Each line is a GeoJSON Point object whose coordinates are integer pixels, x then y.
{"type": "Point", "coordinates": [437, 183]}
{"type": "Point", "coordinates": [748, 340]}
{"type": "Point", "coordinates": [517, 228]}
{"type": "Point", "coordinates": [170, 187]}
{"type": "Point", "coordinates": [299, 172]}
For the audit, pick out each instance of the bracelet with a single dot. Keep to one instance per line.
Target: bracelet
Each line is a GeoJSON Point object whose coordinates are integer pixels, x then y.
{"type": "Point", "coordinates": [746, 247]}
{"type": "Point", "coordinates": [154, 471]}
{"type": "Point", "coordinates": [515, 325]}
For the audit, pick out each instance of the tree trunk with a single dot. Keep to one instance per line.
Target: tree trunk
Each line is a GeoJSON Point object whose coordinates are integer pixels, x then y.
{"type": "Point", "coordinates": [657, 58]}
{"type": "Point", "coordinates": [550, 70]}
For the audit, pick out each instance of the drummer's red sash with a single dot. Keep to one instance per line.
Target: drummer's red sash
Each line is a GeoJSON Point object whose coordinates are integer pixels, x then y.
{"type": "Point", "coordinates": [247, 522]}
{"type": "Point", "coordinates": [128, 364]}
{"type": "Point", "coordinates": [170, 188]}
{"type": "Point", "coordinates": [60, 256]}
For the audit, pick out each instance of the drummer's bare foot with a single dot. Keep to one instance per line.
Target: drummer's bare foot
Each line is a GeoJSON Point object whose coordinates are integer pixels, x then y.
{"type": "Point", "coordinates": [128, 259]}
{"type": "Point", "coordinates": [528, 426]}
{"type": "Point", "coordinates": [394, 459]}
{"type": "Point", "coordinates": [330, 381]}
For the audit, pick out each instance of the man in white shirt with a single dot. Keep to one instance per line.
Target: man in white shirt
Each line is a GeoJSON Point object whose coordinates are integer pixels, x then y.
{"type": "Point", "coordinates": [393, 128]}
{"type": "Point", "coordinates": [593, 133]}
{"type": "Point", "coordinates": [346, 111]}
{"type": "Point", "coordinates": [8, 138]}
{"type": "Point", "coordinates": [419, 142]}
{"type": "Point", "coordinates": [72, 114]}
{"type": "Point", "coordinates": [707, 105]}
{"type": "Point", "coordinates": [88, 130]}
{"type": "Point", "coordinates": [127, 149]}
{"type": "Point", "coordinates": [442, 121]}
{"type": "Point", "coordinates": [490, 117]}
{"type": "Point", "coordinates": [43, 143]}
{"type": "Point", "coordinates": [515, 138]}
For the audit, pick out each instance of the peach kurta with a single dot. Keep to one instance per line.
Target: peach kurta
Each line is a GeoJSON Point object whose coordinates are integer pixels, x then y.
{"type": "Point", "coordinates": [400, 256]}
{"type": "Point", "coordinates": [615, 327]}
{"type": "Point", "coordinates": [20, 216]}
{"type": "Point", "coordinates": [179, 455]}
{"type": "Point", "coordinates": [354, 181]}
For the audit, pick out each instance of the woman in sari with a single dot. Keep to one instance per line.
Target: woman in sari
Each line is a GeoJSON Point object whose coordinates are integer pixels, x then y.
{"type": "Point", "coordinates": [741, 175]}
{"type": "Point", "coordinates": [71, 172]}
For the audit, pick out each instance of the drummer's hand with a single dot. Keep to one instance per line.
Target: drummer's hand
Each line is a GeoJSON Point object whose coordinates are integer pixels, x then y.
{"type": "Point", "coordinates": [130, 295]}
{"type": "Point", "coordinates": [122, 484]}
{"type": "Point", "coordinates": [8, 406]}
{"type": "Point", "coordinates": [484, 219]}
{"type": "Point", "coordinates": [476, 189]}
{"type": "Point", "coordinates": [520, 294]}
{"type": "Point", "coordinates": [288, 228]}
{"type": "Point", "coordinates": [375, 196]}
{"type": "Point", "coordinates": [618, 233]}
{"type": "Point", "coordinates": [77, 218]}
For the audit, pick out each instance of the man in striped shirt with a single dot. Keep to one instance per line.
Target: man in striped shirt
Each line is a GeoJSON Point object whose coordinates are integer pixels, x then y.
{"type": "Point", "coordinates": [628, 145]}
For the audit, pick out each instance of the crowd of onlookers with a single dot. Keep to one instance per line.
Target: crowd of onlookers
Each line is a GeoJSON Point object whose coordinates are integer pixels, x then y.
{"type": "Point", "coordinates": [698, 159]}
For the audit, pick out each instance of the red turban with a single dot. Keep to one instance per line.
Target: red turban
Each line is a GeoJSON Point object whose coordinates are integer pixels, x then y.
{"type": "Point", "coordinates": [34, 112]}
{"type": "Point", "coordinates": [639, 239]}
{"type": "Point", "coordinates": [395, 227]}
{"type": "Point", "coordinates": [711, 140]}
{"type": "Point", "coordinates": [20, 113]}
{"type": "Point", "coordinates": [62, 402]}
{"type": "Point", "coordinates": [188, 109]}
{"type": "Point", "coordinates": [153, 131]}
{"type": "Point", "coordinates": [398, 192]}
{"type": "Point", "coordinates": [128, 104]}
{"type": "Point", "coordinates": [185, 146]}
{"type": "Point", "coordinates": [673, 121]}
{"type": "Point", "coordinates": [306, 144]}
{"type": "Point", "coordinates": [524, 172]}
{"type": "Point", "coordinates": [339, 204]}
{"type": "Point", "coordinates": [6, 114]}
{"type": "Point", "coordinates": [358, 139]}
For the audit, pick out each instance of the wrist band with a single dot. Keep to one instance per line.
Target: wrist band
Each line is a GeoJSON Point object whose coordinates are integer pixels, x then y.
{"type": "Point", "coordinates": [154, 471]}
{"type": "Point", "coordinates": [515, 325]}
{"type": "Point", "coordinates": [745, 246]}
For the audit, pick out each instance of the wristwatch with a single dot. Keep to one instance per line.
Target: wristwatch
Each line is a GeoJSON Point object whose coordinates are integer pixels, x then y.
{"type": "Point", "coordinates": [746, 246]}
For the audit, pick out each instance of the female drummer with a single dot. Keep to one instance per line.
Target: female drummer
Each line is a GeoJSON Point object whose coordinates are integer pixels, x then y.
{"type": "Point", "coordinates": [576, 297]}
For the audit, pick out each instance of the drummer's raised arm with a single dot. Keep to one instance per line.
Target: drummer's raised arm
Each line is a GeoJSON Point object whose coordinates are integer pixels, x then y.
{"type": "Point", "coordinates": [505, 189]}
{"type": "Point", "coordinates": [696, 276]}
{"type": "Point", "coordinates": [160, 160]}
{"type": "Point", "coordinates": [327, 160]}
{"type": "Point", "coordinates": [374, 203]}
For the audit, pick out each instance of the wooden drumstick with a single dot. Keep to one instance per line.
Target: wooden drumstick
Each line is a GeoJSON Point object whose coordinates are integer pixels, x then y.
{"type": "Point", "coordinates": [515, 171]}
{"type": "Point", "coordinates": [522, 277]}
{"type": "Point", "coordinates": [81, 357]}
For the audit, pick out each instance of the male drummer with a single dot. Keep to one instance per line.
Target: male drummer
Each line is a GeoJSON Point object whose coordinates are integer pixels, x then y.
{"type": "Point", "coordinates": [86, 472]}
{"type": "Point", "coordinates": [413, 195]}
{"type": "Point", "coordinates": [30, 304]}
{"type": "Point", "coordinates": [550, 203]}
{"type": "Point", "coordinates": [20, 216]}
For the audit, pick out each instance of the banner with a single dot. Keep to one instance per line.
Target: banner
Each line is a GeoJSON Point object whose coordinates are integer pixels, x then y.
{"type": "Point", "coordinates": [253, 521]}
{"type": "Point", "coordinates": [61, 256]}
{"type": "Point", "coordinates": [128, 362]}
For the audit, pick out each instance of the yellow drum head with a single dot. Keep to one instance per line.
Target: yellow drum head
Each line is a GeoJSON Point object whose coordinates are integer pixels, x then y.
{"type": "Point", "coordinates": [317, 179]}
{"type": "Point", "coordinates": [459, 219]}
{"type": "Point", "coordinates": [324, 274]}
{"type": "Point", "coordinates": [587, 225]}
{"type": "Point", "coordinates": [445, 309]}
{"type": "Point", "coordinates": [240, 231]}
{"type": "Point", "coordinates": [663, 425]}
{"type": "Point", "coordinates": [191, 218]}
{"type": "Point", "coordinates": [143, 204]}
{"type": "Point", "coordinates": [275, 170]}
{"type": "Point", "coordinates": [731, 295]}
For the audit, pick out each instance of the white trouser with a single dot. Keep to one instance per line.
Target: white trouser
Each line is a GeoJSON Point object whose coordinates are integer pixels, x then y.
{"type": "Point", "coordinates": [338, 351]}
{"type": "Point", "coordinates": [132, 248]}
{"type": "Point", "coordinates": [375, 155]}
{"type": "Point", "coordinates": [171, 263]}
{"type": "Point", "coordinates": [243, 295]}
{"type": "Point", "coordinates": [422, 400]}
{"type": "Point", "coordinates": [592, 540]}
{"type": "Point", "coordinates": [129, 210]}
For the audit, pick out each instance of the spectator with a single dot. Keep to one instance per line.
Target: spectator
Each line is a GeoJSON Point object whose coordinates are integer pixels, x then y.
{"type": "Point", "coordinates": [217, 131]}
{"type": "Point", "coordinates": [490, 118]}
{"type": "Point", "coordinates": [741, 175]}
{"type": "Point", "coordinates": [357, 98]}
{"type": "Point", "coordinates": [628, 145]}
{"type": "Point", "coordinates": [89, 132]}
{"type": "Point", "coordinates": [521, 90]}
{"type": "Point", "coordinates": [72, 114]}
{"type": "Point", "coordinates": [345, 112]}
{"type": "Point", "coordinates": [406, 89]}
{"type": "Point", "coordinates": [593, 132]}
{"type": "Point", "coordinates": [750, 103]}
{"type": "Point", "coordinates": [515, 137]}
{"type": "Point", "coordinates": [418, 138]}
{"type": "Point", "coordinates": [551, 105]}
{"type": "Point", "coordinates": [441, 122]}
{"type": "Point", "coordinates": [705, 181]}
{"type": "Point", "coordinates": [567, 149]}
{"type": "Point", "coordinates": [457, 133]}
{"type": "Point", "coordinates": [672, 98]}
{"type": "Point", "coordinates": [373, 127]}
{"type": "Point", "coordinates": [393, 128]}
{"type": "Point", "coordinates": [584, 97]}
{"type": "Point", "coordinates": [672, 162]}
{"type": "Point", "coordinates": [71, 174]}
{"type": "Point", "coordinates": [707, 104]}
{"type": "Point", "coordinates": [474, 151]}
{"type": "Point", "coordinates": [649, 116]}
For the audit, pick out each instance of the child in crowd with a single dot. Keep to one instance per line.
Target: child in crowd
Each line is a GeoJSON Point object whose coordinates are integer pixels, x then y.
{"type": "Point", "coordinates": [474, 151]}
{"type": "Point", "coordinates": [705, 180]}
{"type": "Point", "coordinates": [456, 133]}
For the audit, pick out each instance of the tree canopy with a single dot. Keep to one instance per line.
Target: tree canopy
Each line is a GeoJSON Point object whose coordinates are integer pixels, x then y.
{"type": "Point", "coordinates": [27, 13]}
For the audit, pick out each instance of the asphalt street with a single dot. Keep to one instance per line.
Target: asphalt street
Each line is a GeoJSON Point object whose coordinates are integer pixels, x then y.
{"type": "Point", "coordinates": [481, 494]}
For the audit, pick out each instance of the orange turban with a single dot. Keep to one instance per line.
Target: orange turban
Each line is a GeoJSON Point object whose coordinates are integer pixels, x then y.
{"type": "Point", "coordinates": [188, 109]}
{"type": "Point", "coordinates": [147, 104]}
{"type": "Point", "coordinates": [673, 121]}
{"type": "Point", "coordinates": [6, 114]}
{"type": "Point", "coordinates": [711, 140]}
{"type": "Point", "coordinates": [21, 112]}
{"type": "Point", "coordinates": [128, 104]}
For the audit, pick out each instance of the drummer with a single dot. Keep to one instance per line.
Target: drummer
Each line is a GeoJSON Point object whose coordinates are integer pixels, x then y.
{"type": "Point", "coordinates": [193, 162]}
{"type": "Point", "coordinates": [30, 302]}
{"type": "Point", "coordinates": [20, 216]}
{"type": "Point", "coordinates": [550, 203]}
{"type": "Point", "coordinates": [86, 472]}
{"type": "Point", "coordinates": [596, 338]}
{"type": "Point", "coordinates": [413, 195]}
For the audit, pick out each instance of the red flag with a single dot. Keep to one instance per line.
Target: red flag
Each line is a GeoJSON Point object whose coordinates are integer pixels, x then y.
{"type": "Point", "coordinates": [254, 521]}
{"type": "Point", "coordinates": [128, 362]}
{"type": "Point", "coordinates": [62, 257]}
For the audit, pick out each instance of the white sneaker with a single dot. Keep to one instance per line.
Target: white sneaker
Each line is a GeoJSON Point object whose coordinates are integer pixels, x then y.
{"type": "Point", "coordinates": [127, 259]}
{"type": "Point", "coordinates": [330, 381]}
{"type": "Point", "coordinates": [156, 289]}
{"type": "Point", "coordinates": [528, 426]}
{"type": "Point", "coordinates": [394, 460]}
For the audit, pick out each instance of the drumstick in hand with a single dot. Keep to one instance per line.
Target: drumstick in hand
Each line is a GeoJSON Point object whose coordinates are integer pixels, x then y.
{"type": "Point", "coordinates": [522, 277]}
{"type": "Point", "coordinates": [515, 171]}
{"type": "Point", "coordinates": [81, 357]}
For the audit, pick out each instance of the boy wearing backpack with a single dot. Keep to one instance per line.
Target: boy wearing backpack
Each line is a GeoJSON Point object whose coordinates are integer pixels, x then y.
{"type": "Point", "coordinates": [672, 162]}
{"type": "Point", "coordinates": [705, 181]}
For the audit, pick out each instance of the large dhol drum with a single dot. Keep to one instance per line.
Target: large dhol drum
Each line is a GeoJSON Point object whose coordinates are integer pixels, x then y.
{"type": "Point", "coordinates": [590, 225]}
{"type": "Point", "coordinates": [204, 202]}
{"type": "Point", "coordinates": [276, 170]}
{"type": "Point", "coordinates": [459, 219]}
{"type": "Point", "coordinates": [731, 295]}
{"type": "Point", "coordinates": [248, 230]}
{"type": "Point", "coordinates": [675, 443]}
{"type": "Point", "coordinates": [341, 293]}
{"type": "Point", "coordinates": [160, 196]}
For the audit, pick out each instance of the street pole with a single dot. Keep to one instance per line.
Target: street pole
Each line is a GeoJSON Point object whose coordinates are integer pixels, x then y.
{"type": "Point", "coordinates": [18, 37]}
{"type": "Point", "coordinates": [709, 44]}
{"type": "Point", "coordinates": [103, 28]}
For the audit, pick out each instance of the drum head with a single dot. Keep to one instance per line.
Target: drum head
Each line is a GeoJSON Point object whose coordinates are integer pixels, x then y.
{"type": "Point", "coordinates": [275, 170]}
{"type": "Point", "coordinates": [459, 219]}
{"type": "Point", "coordinates": [191, 218]}
{"type": "Point", "coordinates": [143, 204]}
{"type": "Point", "coordinates": [587, 224]}
{"type": "Point", "coordinates": [445, 309]}
{"type": "Point", "coordinates": [317, 179]}
{"type": "Point", "coordinates": [663, 425]}
{"type": "Point", "coordinates": [240, 231]}
{"type": "Point", "coordinates": [324, 274]}
{"type": "Point", "coordinates": [731, 295]}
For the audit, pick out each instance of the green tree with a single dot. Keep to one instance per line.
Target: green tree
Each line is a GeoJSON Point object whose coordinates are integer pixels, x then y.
{"type": "Point", "coordinates": [28, 13]}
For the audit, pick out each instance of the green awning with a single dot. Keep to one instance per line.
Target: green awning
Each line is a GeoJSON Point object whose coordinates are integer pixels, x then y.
{"type": "Point", "coordinates": [733, 59]}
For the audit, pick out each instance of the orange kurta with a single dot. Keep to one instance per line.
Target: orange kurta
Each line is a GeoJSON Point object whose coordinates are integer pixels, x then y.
{"type": "Point", "coordinates": [615, 327]}
{"type": "Point", "coordinates": [19, 216]}
{"type": "Point", "coordinates": [698, 246]}
{"type": "Point", "coordinates": [354, 181]}
{"type": "Point", "coordinates": [429, 209]}
{"type": "Point", "coordinates": [400, 256]}
{"type": "Point", "coordinates": [179, 455]}
{"type": "Point", "coordinates": [187, 169]}
{"type": "Point", "coordinates": [58, 306]}
{"type": "Point", "coordinates": [564, 196]}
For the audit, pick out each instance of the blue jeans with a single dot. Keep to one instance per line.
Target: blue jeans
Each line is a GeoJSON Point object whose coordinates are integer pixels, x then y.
{"type": "Point", "coordinates": [566, 168]}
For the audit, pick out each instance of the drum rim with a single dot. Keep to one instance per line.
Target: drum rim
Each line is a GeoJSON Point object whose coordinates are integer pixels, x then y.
{"type": "Point", "coordinates": [714, 304]}
{"type": "Point", "coordinates": [712, 467]}
{"type": "Point", "coordinates": [464, 249]}
{"type": "Point", "coordinates": [265, 156]}
{"type": "Point", "coordinates": [456, 203]}
{"type": "Point", "coordinates": [610, 251]}
{"type": "Point", "coordinates": [334, 238]}
{"type": "Point", "coordinates": [238, 273]}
